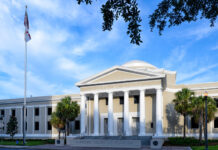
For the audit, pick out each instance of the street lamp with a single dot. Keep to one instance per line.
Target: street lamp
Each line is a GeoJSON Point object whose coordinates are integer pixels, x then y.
{"type": "Point", "coordinates": [205, 132]}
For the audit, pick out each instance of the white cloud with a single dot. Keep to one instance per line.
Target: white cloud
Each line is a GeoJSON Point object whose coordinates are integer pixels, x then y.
{"type": "Point", "coordinates": [176, 56]}
{"type": "Point", "coordinates": [199, 32]}
{"type": "Point", "coordinates": [72, 69]}
{"type": "Point", "coordinates": [87, 46]}
{"type": "Point", "coordinates": [184, 76]}
{"type": "Point", "coordinates": [214, 48]}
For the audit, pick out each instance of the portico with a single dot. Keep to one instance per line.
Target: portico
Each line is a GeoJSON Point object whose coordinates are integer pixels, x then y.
{"type": "Point", "coordinates": [123, 100]}
{"type": "Point", "coordinates": [125, 114]}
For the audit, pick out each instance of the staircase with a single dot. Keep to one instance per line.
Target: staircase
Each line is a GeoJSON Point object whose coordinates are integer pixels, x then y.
{"type": "Point", "coordinates": [145, 140]}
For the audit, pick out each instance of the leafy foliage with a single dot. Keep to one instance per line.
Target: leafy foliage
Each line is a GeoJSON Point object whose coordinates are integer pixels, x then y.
{"type": "Point", "coordinates": [128, 10]}
{"type": "Point", "coordinates": [175, 12]}
{"type": "Point", "coordinates": [198, 111]}
{"type": "Point", "coordinates": [12, 126]}
{"type": "Point", "coordinates": [182, 104]}
{"type": "Point", "coordinates": [66, 111]}
{"type": "Point", "coordinates": [169, 12]}
{"type": "Point", "coordinates": [57, 123]}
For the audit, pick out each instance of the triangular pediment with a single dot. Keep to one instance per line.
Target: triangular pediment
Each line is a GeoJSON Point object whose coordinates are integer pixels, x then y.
{"type": "Point", "coordinates": [118, 74]}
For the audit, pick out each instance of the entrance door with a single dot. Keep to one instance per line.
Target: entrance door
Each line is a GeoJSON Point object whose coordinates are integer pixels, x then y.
{"type": "Point", "coordinates": [135, 125]}
{"type": "Point", "coordinates": [105, 126]}
{"type": "Point", "coordinates": [120, 126]}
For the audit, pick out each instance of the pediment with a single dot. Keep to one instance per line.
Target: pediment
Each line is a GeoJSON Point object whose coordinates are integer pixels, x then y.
{"type": "Point", "coordinates": [118, 74]}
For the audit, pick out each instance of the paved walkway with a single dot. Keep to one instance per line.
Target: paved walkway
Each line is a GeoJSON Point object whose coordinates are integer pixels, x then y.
{"type": "Point", "coordinates": [53, 147]}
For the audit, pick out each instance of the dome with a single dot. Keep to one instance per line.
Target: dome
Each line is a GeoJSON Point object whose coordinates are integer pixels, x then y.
{"type": "Point", "coordinates": [137, 64]}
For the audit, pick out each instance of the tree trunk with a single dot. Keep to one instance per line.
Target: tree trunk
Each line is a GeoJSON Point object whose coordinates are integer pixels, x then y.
{"type": "Point", "coordinates": [59, 134]}
{"type": "Point", "coordinates": [184, 127]}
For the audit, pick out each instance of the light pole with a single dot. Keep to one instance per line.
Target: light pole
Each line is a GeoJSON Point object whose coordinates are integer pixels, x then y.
{"type": "Point", "coordinates": [205, 132]}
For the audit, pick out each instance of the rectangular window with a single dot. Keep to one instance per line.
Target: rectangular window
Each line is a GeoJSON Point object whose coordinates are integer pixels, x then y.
{"type": "Point", "coordinates": [216, 122]}
{"type": "Point", "coordinates": [151, 124]}
{"type": "Point", "coordinates": [106, 101]}
{"type": "Point", "coordinates": [13, 112]}
{"type": "Point", "coordinates": [121, 100]}
{"type": "Point", "coordinates": [136, 99]}
{"type": "Point", "coordinates": [77, 125]}
{"type": "Point", "coordinates": [194, 124]}
{"type": "Point", "coordinates": [2, 113]}
{"type": "Point", "coordinates": [36, 111]}
{"type": "Point", "coordinates": [49, 111]}
{"type": "Point", "coordinates": [49, 126]}
{"type": "Point", "coordinates": [216, 100]}
{"type": "Point", "coordinates": [36, 125]}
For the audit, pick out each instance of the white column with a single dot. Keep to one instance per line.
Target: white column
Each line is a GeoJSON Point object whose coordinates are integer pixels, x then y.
{"type": "Point", "coordinates": [82, 114]}
{"type": "Point", "coordinates": [159, 112]}
{"type": "Point", "coordinates": [110, 114]}
{"type": "Point", "coordinates": [96, 115]}
{"type": "Point", "coordinates": [126, 113]}
{"type": "Point", "coordinates": [142, 113]}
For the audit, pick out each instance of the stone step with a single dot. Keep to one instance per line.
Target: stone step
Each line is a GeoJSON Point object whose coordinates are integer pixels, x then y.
{"type": "Point", "coordinates": [145, 140]}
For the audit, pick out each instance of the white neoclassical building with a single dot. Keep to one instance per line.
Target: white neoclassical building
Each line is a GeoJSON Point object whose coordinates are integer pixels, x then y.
{"type": "Point", "coordinates": [134, 99]}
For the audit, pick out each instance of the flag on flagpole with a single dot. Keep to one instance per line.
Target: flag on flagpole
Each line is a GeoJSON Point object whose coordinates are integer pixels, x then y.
{"type": "Point", "coordinates": [27, 36]}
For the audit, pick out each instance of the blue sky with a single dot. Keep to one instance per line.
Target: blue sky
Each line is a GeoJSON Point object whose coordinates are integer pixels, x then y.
{"type": "Point", "coordinates": [68, 45]}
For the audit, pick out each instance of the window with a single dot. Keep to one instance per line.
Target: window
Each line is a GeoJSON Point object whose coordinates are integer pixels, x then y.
{"type": "Point", "coordinates": [106, 101]}
{"type": "Point", "coordinates": [37, 126]}
{"type": "Point", "coordinates": [216, 99]}
{"type": "Point", "coordinates": [13, 113]}
{"type": "Point", "coordinates": [49, 111]}
{"type": "Point", "coordinates": [2, 113]}
{"type": "Point", "coordinates": [194, 125]}
{"type": "Point", "coordinates": [49, 125]}
{"type": "Point", "coordinates": [121, 100]}
{"type": "Point", "coordinates": [151, 124]}
{"type": "Point", "coordinates": [216, 122]}
{"type": "Point", "coordinates": [77, 125]}
{"type": "Point", "coordinates": [36, 111]}
{"type": "Point", "coordinates": [26, 111]}
{"type": "Point", "coordinates": [136, 99]}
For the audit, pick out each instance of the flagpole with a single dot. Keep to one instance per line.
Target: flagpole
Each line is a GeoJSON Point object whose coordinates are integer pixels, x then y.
{"type": "Point", "coordinates": [25, 87]}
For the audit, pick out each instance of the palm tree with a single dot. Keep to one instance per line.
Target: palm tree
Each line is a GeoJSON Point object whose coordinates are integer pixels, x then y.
{"type": "Point", "coordinates": [67, 111]}
{"type": "Point", "coordinates": [182, 104]}
{"type": "Point", "coordinates": [198, 111]}
{"type": "Point", "coordinates": [57, 123]}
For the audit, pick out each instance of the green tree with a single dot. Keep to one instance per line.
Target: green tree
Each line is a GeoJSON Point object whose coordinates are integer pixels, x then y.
{"type": "Point", "coordinates": [12, 126]}
{"type": "Point", "coordinates": [57, 123]}
{"type": "Point", "coordinates": [182, 104]}
{"type": "Point", "coordinates": [169, 12]}
{"type": "Point", "coordinates": [198, 111]}
{"type": "Point", "coordinates": [67, 111]}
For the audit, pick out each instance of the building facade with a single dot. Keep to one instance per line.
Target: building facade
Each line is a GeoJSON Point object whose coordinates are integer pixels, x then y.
{"type": "Point", "coordinates": [132, 99]}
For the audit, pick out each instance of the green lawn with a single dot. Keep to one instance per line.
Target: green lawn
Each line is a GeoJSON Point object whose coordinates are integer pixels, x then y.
{"type": "Point", "coordinates": [203, 147]}
{"type": "Point", "coordinates": [28, 142]}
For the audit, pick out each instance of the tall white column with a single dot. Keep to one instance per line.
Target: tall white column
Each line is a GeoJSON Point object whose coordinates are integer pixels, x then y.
{"type": "Point", "coordinates": [82, 114]}
{"type": "Point", "coordinates": [142, 112]}
{"type": "Point", "coordinates": [96, 115]}
{"type": "Point", "coordinates": [159, 112]}
{"type": "Point", "coordinates": [110, 114]}
{"type": "Point", "coordinates": [126, 113]}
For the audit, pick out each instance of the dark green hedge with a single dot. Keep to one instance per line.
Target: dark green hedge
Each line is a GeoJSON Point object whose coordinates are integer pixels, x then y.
{"type": "Point", "coordinates": [49, 141]}
{"type": "Point", "coordinates": [189, 141]}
